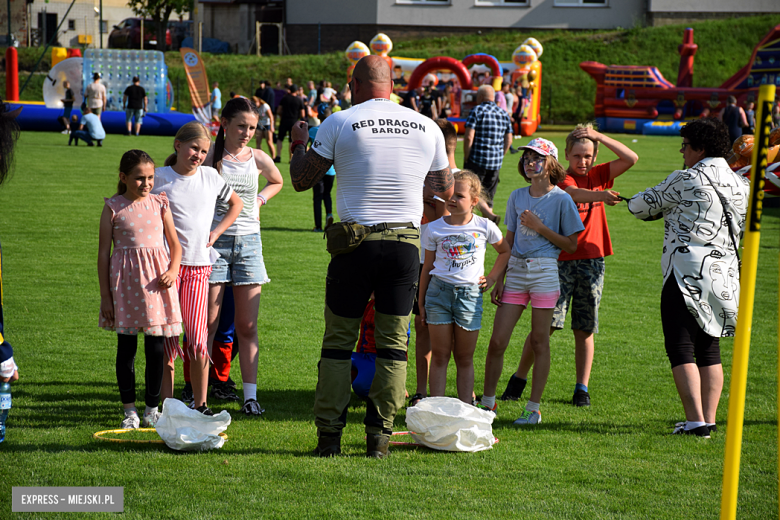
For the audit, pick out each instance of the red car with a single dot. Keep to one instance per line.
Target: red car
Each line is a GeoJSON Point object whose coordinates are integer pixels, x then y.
{"type": "Point", "coordinates": [127, 35]}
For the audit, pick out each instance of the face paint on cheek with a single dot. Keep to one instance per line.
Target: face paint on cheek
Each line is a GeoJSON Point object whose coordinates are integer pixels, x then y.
{"type": "Point", "coordinates": [538, 167]}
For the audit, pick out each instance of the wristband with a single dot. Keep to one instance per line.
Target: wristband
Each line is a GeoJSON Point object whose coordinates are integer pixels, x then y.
{"type": "Point", "coordinates": [263, 200]}
{"type": "Point", "coordinates": [296, 144]}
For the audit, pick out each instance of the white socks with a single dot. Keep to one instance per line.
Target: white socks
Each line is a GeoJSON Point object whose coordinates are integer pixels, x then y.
{"type": "Point", "coordinates": [532, 406]}
{"type": "Point", "coordinates": [149, 409]}
{"type": "Point", "coordinates": [250, 391]}
{"type": "Point", "coordinates": [489, 401]}
{"type": "Point", "coordinates": [690, 425]}
{"type": "Point", "coordinates": [130, 411]}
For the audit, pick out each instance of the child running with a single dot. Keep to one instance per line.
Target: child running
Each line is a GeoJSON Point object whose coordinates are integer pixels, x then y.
{"type": "Point", "coordinates": [136, 280]}
{"type": "Point", "coordinates": [240, 263]}
{"type": "Point", "coordinates": [541, 220]}
{"type": "Point", "coordinates": [193, 191]}
{"type": "Point", "coordinates": [452, 282]}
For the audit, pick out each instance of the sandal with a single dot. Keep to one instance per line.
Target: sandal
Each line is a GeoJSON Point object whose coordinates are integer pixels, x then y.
{"type": "Point", "coordinates": [416, 398]}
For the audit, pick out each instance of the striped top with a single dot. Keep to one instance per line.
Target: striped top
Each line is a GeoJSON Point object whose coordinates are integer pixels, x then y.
{"type": "Point", "coordinates": [242, 177]}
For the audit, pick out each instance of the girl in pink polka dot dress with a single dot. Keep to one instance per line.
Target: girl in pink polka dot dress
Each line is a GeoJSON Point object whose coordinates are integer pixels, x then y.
{"type": "Point", "coordinates": [137, 292]}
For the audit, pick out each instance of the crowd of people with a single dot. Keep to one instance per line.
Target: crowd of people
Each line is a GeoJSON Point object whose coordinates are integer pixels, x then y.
{"type": "Point", "coordinates": [180, 251]}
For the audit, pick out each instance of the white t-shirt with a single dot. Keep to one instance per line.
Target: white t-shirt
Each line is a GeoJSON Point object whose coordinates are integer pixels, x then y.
{"type": "Point", "coordinates": [265, 115]}
{"type": "Point", "coordinates": [460, 250]}
{"type": "Point", "coordinates": [382, 153]}
{"type": "Point", "coordinates": [192, 201]}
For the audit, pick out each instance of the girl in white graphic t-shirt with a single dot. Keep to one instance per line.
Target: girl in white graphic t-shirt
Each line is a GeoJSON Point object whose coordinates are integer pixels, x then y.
{"type": "Point", "coordinates": [452, 282]}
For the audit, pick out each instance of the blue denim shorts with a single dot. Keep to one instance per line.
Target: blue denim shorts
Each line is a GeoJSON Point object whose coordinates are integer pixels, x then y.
{"type": "Point", "coordinates": [240, 261]}
{"type": "Point", "coordinates": [445, 303]}
{"type": "Point", "coordinates": [138, 113]}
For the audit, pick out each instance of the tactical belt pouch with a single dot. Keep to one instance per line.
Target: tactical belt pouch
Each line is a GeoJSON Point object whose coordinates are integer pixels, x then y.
{"type": "Point", "coordinates": [344, 237]}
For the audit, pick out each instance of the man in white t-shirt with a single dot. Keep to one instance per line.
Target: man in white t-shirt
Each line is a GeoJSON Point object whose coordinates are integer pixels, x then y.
{"type": "Point", "coordinates": [383, 155]}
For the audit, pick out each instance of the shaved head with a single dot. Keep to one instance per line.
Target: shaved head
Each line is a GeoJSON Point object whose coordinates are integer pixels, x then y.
{"type": "Point", "coordinates": [373, 79]}
{"type": "Point", "coordinates": [485, 93]}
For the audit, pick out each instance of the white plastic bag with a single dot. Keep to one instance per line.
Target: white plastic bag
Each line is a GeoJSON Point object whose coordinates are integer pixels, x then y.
{"type": "Point", "coordinates": [189, 430]}
{"type": "Point", "coordinates": [445, 423]}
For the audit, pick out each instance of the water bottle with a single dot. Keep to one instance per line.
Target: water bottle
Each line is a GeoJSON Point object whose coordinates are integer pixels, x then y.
{"type": "Point", "coordinates": [5, 407]}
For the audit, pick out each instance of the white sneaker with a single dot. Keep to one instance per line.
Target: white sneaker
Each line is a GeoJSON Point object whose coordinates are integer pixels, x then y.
{"type": "Point", "coordinates": [130, 422]}
{"type": "Point", "coordinates": [151, 418]}
{"type": "Point", "coordinates": [529, 418]}
{"type": "Point", "coordinates": [65, 132]}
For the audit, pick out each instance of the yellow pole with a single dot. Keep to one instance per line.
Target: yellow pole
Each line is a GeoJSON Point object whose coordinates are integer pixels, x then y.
{"type": "Point", "coordinates": [739, 370]}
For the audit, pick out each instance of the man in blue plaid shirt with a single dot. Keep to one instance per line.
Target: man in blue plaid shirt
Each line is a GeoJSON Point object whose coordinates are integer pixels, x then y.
{"type": "Point", "coordinates": [487, 138]}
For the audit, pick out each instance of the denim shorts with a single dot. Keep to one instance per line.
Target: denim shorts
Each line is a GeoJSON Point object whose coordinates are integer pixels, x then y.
{"type": "Point", "coordinates": [532, 279]}
{"type": "Point", "coordinates": [240, 261]}
{"type": "Point", "coordinates": [138, 113]}
{"type": "Point", "coordinates": [446, 303]}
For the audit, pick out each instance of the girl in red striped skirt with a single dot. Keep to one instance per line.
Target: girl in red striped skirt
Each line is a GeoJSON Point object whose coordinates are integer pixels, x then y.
{"type": "Point", "coordinates": [193, 191]}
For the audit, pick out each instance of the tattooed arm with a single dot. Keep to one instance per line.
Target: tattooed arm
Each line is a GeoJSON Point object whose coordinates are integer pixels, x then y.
{"type": "Point", "coordinates": [441, 183]}
{"type": "Point", "coordinates": [306, 168]}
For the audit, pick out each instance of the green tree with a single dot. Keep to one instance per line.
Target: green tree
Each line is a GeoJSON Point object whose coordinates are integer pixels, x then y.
{"type": "Point", "coordinates": [159, 11]}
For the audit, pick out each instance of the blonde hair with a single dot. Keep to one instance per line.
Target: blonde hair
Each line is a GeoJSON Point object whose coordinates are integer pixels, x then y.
{"type": "Point", "coordinates": [571, 140]}
{"type": "Point", "coordinates": [475, 186]}
{"type": "Point", "coordinates": [551, 165]}
{"type": "Point", "coordinates": [192, 131]}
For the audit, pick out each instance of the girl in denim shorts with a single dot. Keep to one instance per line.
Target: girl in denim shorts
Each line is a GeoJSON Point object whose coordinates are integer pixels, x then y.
{"type": "Point", "coordinates": [240, 248]}
{"type": "Point", "coordinates": [541, 220]}
{"type": "Point", "coordinates": [452, 282]}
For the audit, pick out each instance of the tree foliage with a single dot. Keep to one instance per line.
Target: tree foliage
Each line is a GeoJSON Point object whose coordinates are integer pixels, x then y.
{"type": "Point", "coordinates": [160, 12]}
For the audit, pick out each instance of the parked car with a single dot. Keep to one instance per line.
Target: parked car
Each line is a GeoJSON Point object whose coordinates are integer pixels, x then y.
{"type": "Point", "coordinates": [127, 35]}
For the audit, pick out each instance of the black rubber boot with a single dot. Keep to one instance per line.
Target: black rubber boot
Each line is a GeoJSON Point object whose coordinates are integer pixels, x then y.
{"type": "Point", "coordinates": [377, 446]}
{"type": "Point", "coordinates": [328, 447]}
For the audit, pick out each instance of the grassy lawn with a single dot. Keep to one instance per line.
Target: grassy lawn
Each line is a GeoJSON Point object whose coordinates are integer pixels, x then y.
{"type": "Point", "coordinates": [614, 460]}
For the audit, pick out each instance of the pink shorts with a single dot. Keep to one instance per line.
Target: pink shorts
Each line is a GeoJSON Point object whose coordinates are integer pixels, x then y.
{"type": "Point", "coordinates": [534, 280]}
{"type": "Point", "coordinates": [538, 300]}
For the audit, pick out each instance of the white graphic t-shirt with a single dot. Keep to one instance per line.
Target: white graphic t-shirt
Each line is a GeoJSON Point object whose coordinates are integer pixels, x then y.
{"type": "Point", "coordinates": [460, 250]}
{"type": "Point", "coordinates": [382, 153]}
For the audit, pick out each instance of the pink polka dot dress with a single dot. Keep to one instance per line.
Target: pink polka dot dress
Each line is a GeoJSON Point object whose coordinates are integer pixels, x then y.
{"type": "Point", "coordinates": [137, 261]}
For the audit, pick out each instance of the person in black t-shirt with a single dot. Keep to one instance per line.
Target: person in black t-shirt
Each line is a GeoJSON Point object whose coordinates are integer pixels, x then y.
{"type": "Point", "coordinates": [135, 104]}
{"type": "Point", "coordinates": [67, 104]}
{"type": "Point", "coordinates": [291, 110]}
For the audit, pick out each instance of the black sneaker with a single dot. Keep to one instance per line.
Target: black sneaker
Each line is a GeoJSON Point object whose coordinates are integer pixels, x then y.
{"type": "Point", "coordinates": [514, 389]}
{"type": "Point", "coordinates": [252, 407]}
{"type": "Point", "coordinates": [712, 427]}
{"type": "Point", "coordinates": [701, 431]}
{"type": "Point", "coordinates": [277, 159]}
{"type": "Point", "coordinates": [580, 398]}
{"type": "Point", "coordinates": [222, 391]}
{"type": "Point", "coordinates": [232, 384]}
{"type": "Point", "coordinates": [205, 410]}
{"type": "Point", "coordinates": [186, 393]}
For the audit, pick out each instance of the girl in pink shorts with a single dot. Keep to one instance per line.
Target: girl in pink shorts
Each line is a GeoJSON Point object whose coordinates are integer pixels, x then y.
{"type": "Point", "coordinates": [541, 221]}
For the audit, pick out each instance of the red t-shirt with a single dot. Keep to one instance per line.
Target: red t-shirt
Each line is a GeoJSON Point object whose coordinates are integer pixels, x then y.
{"type": "Point", "coordinates": [594, 242]}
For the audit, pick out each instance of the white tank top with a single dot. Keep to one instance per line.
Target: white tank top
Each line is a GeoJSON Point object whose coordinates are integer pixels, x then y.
{"type": "Point", "coordinates": [242, 177]}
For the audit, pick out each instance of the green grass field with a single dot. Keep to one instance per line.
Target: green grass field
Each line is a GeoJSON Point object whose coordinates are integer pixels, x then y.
{"type": "Point", "coordinates": [614, 460]}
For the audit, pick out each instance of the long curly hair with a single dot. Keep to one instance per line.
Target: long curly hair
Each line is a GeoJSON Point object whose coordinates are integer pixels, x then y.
{"type": "Point", "coordinates": [708, 134]}
{"type": "Point", "coordinates": [9, 133]}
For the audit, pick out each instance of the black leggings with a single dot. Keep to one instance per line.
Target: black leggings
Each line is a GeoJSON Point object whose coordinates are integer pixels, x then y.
{"type": "Point", "coordinates": [125, 368]}
{"type": "Point", "coordinates": [684, 339]}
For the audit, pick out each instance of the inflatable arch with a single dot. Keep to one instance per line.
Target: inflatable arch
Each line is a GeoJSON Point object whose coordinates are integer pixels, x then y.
{"type": "Point", "coordinates": [490, 62]}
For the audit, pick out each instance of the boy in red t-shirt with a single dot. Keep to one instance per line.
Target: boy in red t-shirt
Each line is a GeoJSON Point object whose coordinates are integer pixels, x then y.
{"type": "Point", "coordinates": [582, 274]}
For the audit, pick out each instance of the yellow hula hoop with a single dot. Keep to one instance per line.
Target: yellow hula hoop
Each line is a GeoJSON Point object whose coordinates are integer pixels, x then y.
{"type": "Point", "coordinates": [99, 436]}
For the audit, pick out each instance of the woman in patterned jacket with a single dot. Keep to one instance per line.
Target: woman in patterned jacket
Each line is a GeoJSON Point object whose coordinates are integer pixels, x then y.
{"type": "Point", "coordinates": [704, 209]}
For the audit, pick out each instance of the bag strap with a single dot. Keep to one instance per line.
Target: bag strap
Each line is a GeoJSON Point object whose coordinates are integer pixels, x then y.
{"type": "Point", "coordinates": [727, 215]}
